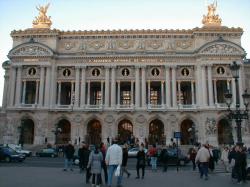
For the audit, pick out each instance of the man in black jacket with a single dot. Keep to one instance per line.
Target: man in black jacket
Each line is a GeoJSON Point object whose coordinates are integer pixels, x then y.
{"type": "Point", "coordinates": [68, 154]}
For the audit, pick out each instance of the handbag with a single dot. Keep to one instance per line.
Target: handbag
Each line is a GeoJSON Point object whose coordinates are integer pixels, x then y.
{"type": "Point", "coordinates": [118, 171]}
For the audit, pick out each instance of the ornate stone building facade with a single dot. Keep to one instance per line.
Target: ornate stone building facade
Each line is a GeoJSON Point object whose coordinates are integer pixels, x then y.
{"type": "Point", "coordinates": [91, 85]}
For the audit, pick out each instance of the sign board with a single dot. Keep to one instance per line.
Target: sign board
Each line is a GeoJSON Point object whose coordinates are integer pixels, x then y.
{"type": "Point", "coordinates": [177, 135]}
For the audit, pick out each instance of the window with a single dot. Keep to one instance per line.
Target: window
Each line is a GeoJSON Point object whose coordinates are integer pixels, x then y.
{"type": "Point", "coordinates": [30, 95]}
{"type": "Point", "coordinates": [154, 97]}
{"type": "Point", "coordinates": [126, 98]}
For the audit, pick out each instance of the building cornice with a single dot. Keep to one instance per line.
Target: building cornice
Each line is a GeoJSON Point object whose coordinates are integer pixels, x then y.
{"type": "Point", "coordinates": [56, 32]}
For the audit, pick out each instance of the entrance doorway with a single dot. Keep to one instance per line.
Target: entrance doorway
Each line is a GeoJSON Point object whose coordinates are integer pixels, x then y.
{"type": "Point", "coordinates": [225, 132]}
{"type": "Point", "coordinates": [26, 132]}
{"type": "Point", "coordinates": [94, 132]}
{"type": "Point", "coordinates": [125, 130]}
{"type": "Point", "coordinates": [156, 132]}
{"type": "Point", "coordinates": [65, 130]}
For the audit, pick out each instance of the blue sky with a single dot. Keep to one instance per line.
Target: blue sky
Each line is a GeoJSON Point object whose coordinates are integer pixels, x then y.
{"type": "Point", "coordinates": [118, 14]}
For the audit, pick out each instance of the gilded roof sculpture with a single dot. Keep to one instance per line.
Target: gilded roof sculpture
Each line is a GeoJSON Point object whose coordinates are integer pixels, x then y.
{"type": "Point", "coordinates": [42, 21]}
{"type": "Point", "coordinates": [211, 19]}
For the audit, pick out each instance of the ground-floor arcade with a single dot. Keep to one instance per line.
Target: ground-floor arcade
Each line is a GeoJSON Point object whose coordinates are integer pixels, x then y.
{"type": "Point", "coordinates": [36, 128]}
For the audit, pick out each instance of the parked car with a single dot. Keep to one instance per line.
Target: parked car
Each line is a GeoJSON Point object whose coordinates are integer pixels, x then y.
{"type": "Point", "coordinates": [182, 159]}
{"type": "Point", "coordinates": [19, 149]}
{"type": "Point", "coordinates": [7, 154]}
{"type": "Point", "coordinates": [47, 152]}
{"type": "Point", "coordinates": [133, 151]}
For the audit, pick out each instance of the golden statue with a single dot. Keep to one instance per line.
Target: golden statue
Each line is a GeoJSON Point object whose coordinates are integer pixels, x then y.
{"type": "Point", "coordinates": [42, 21]}
{"type": "Point", "coordinates": [211, 19]}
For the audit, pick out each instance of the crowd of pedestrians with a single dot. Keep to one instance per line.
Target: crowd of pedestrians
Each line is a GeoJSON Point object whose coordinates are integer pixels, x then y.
{"type": "Point", "coordinates": [113, 160]}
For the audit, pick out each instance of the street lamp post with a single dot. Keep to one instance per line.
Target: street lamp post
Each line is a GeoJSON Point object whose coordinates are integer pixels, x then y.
{"type": "Point", "coordinates": [237, 114]}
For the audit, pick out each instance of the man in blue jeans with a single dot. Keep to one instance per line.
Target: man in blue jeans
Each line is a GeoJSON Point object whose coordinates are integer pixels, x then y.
{"type": "Point", "coordinates": [113, 160]}
{"type": "Point", "coordinates": [202, 159]}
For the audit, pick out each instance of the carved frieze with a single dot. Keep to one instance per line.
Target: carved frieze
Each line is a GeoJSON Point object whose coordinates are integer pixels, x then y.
{"type": "Point", "coordinates": [154, 44]}
{"type": "Point", "coordinates": [69, 45]}
{"type": "Point", "coordinates": [221, 49]}
{"type": "Point", "coordinates": [109, 119]}
{"type": "Point", "coordinates": [125, 44]}
{"type": "Point", "coordinates": [97, 44]}
{"type": "Point", "coordinates": [140, 119]}
{"type": "Point", "coordinates": [31, 50]}
{"type": "Point", "coordinates": [183, 44]}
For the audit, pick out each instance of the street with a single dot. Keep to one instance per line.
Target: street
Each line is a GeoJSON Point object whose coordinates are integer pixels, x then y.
{"type": "Point", "coordinates": [41, 172]}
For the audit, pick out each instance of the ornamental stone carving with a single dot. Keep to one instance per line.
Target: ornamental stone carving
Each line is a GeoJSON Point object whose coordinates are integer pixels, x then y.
{"type": "Point", "coordinates": [125, 44]}
{"type": "Point", "coordinates": [140, 119]}
{"type": "Point", "coordinates": [109, 119]}
{"type": "Point", "coordinates": [155, 44]}
{"type": "Point", "coordinates": [77, 118]}
{"type": "Point", "coordinates": [97, 44]}
{"type": "Point", "coordinates": [69, 45]}
{"type": "Point", "coordinates": [220, 49]}
{"type": "Point", "coordinates": [211, 127]}
{"type": "Point", "coordinates": [183, 44]}
{"type": "Point", "coordinates": [31, 51]}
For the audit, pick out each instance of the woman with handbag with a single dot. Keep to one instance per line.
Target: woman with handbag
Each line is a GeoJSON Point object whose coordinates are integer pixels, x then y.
{"type": "Point", "coordinates": [141, 160]}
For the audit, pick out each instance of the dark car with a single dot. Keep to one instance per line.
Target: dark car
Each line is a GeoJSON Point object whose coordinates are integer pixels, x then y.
{"type": "Point", "coordinates": [48, 152]}
{"type": "Point", "coordinates": [182, 159]}
{"type": "Point", "coordinates": [9, 155]}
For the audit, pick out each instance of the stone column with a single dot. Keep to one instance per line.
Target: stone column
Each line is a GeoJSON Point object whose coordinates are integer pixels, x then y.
{"type": "Point", "coordinates": [37, 89]}
{"type": "Point", "coordinates": [210, 85]}
{"type": "Point", "coordinates": [204, 85]}
{"type": "Point", "coordinates": [174, 86]}
{"type": "Point", "coordinates": [18, 85]}
{"type": "Point", "coordinates": [24, 92]}
{"type": "Point", "coordinates": [88, 96]}
{"type": "Point", "coordinates": [167, 86]}
{"type": "Point", "coordinates": [192, 92]}
{"type": "Point", "coordinates": [41, 89]}
{"type": "Point", "coordinates": [83, 87]}
{"type": "Point", "coordinates": [118, 94]}
{"type": "Point", "coordinates": [240, 81]}
{"type": "Point", "coordinates": [59, 93]}
{"type": "Point", "coordinates": [113, 87]}
{"type": "Point", "coordinates": [162, 94]}
{"type": "Point", "coordinates": [72, 93]}
{"type": "Point", "coordinates": [132, 93]}
{"type": "Point", "coordinates": [199, 95]}
{"type": "Point", "coordinates": [179, 92]}
{"type": "Point", "coordinates": [47, 86]}
{"type": "Point", "coordinates": [143, 87]}
{"type": "Point", "coordinates": [106, 87]}
{"type": "Point", "coordinates": [233, 92]}
{"type": "Point", "coordinates": [137, 87]}
{"type": "Point", "coordinates": [149, 93]}
{"type": "Point", "coordinates": [102, 85]}
{"type": "Point", "coordinates": [53, 85]}
{"type": "Point", "coordinates": [13, 84]}
{"type": "Point", "coordinates": [77, 87]}
{"type": "Point", "coordinates": [215, 92]}
{"type": "Point", "coordinates": [5, 90]}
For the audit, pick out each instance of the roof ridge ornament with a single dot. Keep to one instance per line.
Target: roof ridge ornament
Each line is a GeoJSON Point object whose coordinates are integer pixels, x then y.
{"type": "Point", "coordinates": [42, 21]}
{"type": "Point", "coordinates": [211, 20]}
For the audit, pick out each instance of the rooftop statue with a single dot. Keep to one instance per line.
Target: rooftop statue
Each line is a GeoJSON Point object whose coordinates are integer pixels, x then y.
{"type": "Point", "coordinates": [211, 19]}
{"type": "Point", "coordinates": [42, 21]}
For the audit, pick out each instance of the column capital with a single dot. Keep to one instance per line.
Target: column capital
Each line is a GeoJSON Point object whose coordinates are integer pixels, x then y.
{"type": "Point", "coordinates": [24, 80]}
{"type": "Point", "coordinates": [174, 66]}
{"type": "Point", "coordinates": [167, 66]}
{"type": "Point", "coordinates": [78, 67]}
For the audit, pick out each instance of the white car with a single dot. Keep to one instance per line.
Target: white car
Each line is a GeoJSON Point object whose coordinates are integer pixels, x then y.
{"type": "Point", "coordinates": [133, 152]}
{"type": "Point", "coordinates": [19, 149]}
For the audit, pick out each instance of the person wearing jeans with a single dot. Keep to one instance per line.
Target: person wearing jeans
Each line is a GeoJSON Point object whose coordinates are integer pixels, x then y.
{"type": "Point", "coordinates": [113, 160]}
{"type": "Point", "coordinates": [69, 154]}
{"type": "Point", "coordinates": [153, 157]}
{"type": "Point", "coordinates": [202, 158]}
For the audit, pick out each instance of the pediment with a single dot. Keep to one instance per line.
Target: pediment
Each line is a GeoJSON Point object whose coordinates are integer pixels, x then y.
{"type": "Point", "coordinates": [221, 48]}
{"type": "Point", "coordinates": [33, 49]}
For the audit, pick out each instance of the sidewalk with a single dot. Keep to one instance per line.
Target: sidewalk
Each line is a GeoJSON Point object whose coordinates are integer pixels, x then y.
{"type": "Point", "coordinates": [55, 177]}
